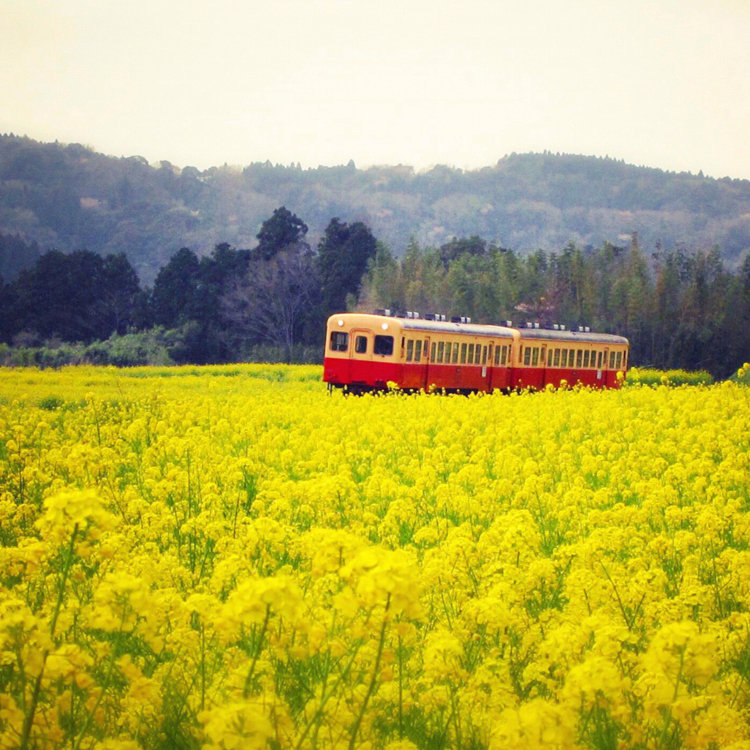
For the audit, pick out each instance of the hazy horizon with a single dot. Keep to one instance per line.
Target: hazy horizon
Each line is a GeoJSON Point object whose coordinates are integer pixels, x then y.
{"type": "Point", "coordinates": [323, 82]}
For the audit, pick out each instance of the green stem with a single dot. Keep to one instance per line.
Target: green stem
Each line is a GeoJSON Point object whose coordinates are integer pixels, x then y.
{"type": "Point", "coordinates": [246, 691]}
{"type": "Point", "coordinates": [324, 699]}
{"type": "Point", "coordinates": [104, 687]}
{"type": "Point", "coordinates": [373, 678]}
{"type": "Point", "coordinates": [29, 718]}
{"type": "Point", "coordinates": [400, 690]}
{"type": "Point", "coordinates": [668, 717]}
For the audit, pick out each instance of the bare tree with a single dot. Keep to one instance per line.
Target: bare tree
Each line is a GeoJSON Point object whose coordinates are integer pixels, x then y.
{"type": "Point", "coordinates": [272, 300]}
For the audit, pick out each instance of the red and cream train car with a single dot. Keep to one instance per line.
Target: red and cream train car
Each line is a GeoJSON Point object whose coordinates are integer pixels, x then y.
{"type": "Point", "coordinates": [367, 352]}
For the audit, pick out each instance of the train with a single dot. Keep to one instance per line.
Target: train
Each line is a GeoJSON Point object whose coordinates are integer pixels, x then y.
{"type": "Point", "coordinates": [381, 351]}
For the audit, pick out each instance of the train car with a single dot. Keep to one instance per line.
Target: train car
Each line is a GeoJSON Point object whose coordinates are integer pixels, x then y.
{"type": "Point", "coordinates": [576, 357]}
{"type": "Point", "coordinates": [366, 352]}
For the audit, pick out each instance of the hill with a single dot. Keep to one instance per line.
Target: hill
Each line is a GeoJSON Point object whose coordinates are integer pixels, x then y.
{"type": "Point", "coordinates": [70, 197]}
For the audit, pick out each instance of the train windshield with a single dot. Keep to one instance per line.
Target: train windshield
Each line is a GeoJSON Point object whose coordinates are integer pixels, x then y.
{"type": "Point", "coordinates": [339, 341]}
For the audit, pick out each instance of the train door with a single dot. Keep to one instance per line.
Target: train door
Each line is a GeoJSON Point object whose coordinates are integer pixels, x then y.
{"type": "Point", "coordinates": [499, 362]}
{"type": "Point", "coordinates": [360, 356]}
{"type": "Point", "coordinates": [603, 374]}
{"type": "Point", "coordinates": [425, 382]}
{"type": "Point", "coordinates": [487, 354]}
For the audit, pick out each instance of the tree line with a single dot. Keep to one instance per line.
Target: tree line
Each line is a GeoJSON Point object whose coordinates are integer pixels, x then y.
{"type": "Point", "coordinates": [70, 197]}
{"type": "Point", "coordinates": [224, 306]}
{"type": "Point", "coordinates": [679, 308]}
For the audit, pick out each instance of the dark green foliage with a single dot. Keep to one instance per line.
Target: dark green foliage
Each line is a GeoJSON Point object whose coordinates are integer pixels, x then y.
{"type": "Point", "coordinates": [454, 249]}
{"type": "Point", "coordinates": [343, 254]}
{"type": "Point", "coordinates": [281, 231]}
{"type": "Point", "coordinates": [76, 297]}
{"type": "Point", "coordinates": [187, 294]}
{"type": "Point", "coordinates": [174, 300]}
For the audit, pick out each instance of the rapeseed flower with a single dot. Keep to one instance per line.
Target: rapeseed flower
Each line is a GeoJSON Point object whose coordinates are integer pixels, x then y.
{"type": "Point", "coordinates": [224, 557]}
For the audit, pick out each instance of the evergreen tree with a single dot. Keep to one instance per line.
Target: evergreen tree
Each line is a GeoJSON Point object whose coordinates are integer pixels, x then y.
{"type": "Point", "coordinates": [281, 231]}
{"type": "Point", "coordinates": [344, 252]}
{"type": "Point", "coordinates": [174, 299]}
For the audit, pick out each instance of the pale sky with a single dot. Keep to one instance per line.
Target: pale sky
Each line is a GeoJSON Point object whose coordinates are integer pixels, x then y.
{"type": "Point", "coordinates": [661, 83]}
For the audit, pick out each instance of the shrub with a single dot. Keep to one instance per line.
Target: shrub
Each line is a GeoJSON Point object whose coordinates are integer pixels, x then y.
{"type": "Point", "coordinates": [652, 377]}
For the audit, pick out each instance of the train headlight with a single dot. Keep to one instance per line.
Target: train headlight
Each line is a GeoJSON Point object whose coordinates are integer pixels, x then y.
{"type": "Point", "coordinates": [384, 326]}
{"type": "Point", "coordinates": [340, 322]}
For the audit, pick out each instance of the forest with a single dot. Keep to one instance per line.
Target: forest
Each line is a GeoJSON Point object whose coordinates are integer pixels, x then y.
{"type": "Point", "coordinates": [680, 308]}
{"type": "Point", "coordinates": [69, 198]}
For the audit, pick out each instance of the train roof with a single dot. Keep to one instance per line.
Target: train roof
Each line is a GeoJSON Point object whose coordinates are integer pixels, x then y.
{"type": "Point", "coordinates": [588, 337]}
{"type": "Point", "coordinates": [477, 329]}
{"type": "Point", "coordinates": [444, 326]}
{"type": "Point", "coordinates": [423, 324]}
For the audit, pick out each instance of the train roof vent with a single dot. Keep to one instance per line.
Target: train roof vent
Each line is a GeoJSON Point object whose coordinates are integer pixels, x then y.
{"type": "Point", "coordinates": [562, 326]}
{"type": "Point", "coordinates": [412, 314]}
{"type": "Point", "coordinates": [383, 311]}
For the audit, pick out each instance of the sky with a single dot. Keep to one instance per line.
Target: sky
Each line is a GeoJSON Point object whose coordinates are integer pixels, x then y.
{"type": "Point", "coordinates": [660, 83]}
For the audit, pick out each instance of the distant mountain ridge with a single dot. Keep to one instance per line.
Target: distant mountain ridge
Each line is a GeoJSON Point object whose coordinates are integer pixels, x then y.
{"type": "Point", "coordinates": [70, 197]}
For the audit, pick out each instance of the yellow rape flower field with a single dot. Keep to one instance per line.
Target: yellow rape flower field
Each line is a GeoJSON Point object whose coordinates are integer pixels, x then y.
{"type": "Point", "coordinates": [229, 557]}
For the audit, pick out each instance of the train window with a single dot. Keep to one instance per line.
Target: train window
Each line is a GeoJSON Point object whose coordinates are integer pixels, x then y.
{"type": "Point", "coordinates": [497, 355]}
{"type": "Point", "coordinates": [360, 344]}
{"type": "Point", "coordinates": [409, 350]}
{"type": "Point", "coordinates": [535, 356]}
{"type": "Point", "coordinates": [504, 355]}
{"type": "Point", "coordinates": [339, 341]}
{"type": "Point", "coordinates": [544, 355]}
{"type": "Point", "coordinates": [586, 355]}
{"type": "Point", "coordinates": [433, 351]}
{"type": "Point", "coordinates": [478, 354]}
{"type": "Point", "coordinates": [484, 355]}
{"type": "Point", "coordinates": [448, 352]}
{"type": "Point", "coordinates": [440, 351]}
{"type": "Point", "coordinates": [563, 358]}
{"type": "Point", "coordinates": [418, 351]}
{"type": "Point", "coordinates": [611, 360]}
{"type": "Point", "coordinates": [463, 354]}
{"type": "Point", "coordinates": [384, 345]}
{"type": "Point", "coordinates": [527, 355]}
{"type": "Point", "coordinates": [556, 358]}
{"type": "Point", "coordinates": [618, 360]}
{"type": "Point", "coordinates": [599, 361]}
{"type": "Point", "coordinates": [455, 353]}
{"type": "Point", "coordinates": [470, 356]}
